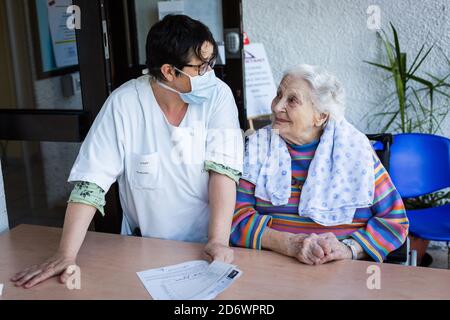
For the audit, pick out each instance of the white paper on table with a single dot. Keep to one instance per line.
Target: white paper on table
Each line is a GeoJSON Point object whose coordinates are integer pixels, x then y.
{"type": "Point", "coordinates": [194, 280]}
{"type": "Point", "coordinates": [260, 87]}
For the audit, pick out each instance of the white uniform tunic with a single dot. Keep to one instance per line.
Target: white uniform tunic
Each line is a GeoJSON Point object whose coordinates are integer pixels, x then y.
{"type": "Point", "coordinates": [160, 168]}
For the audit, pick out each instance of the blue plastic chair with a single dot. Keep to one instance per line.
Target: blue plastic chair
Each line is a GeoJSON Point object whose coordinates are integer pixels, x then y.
{"type": "Point", "coordinates": [420, 165]}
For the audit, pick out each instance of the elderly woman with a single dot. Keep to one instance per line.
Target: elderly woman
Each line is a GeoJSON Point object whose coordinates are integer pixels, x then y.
{"type": "Point", "coordinates": [312, 187]}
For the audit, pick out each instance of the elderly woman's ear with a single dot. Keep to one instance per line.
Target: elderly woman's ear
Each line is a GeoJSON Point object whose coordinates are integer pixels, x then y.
{"type": "Point", "coordinates": [320, 119]}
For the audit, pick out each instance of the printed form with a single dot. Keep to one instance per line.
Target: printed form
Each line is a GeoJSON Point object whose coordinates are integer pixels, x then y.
{"type": "Point", "coordinates": [194, 280]}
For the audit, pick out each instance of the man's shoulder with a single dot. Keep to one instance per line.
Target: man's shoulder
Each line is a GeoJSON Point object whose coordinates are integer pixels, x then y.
{"type": "Point", "coordinates": [222, 98]}
{"type": "Point", "coordinates": [223, 88]}
{"type": "Point", "coordinates": [126, 98]}
{"type": "Point", "coordinates": [128, 90]}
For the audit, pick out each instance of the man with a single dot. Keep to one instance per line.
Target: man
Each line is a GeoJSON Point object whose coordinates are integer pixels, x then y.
{"type": "Point", "coordinates": [172, 141]}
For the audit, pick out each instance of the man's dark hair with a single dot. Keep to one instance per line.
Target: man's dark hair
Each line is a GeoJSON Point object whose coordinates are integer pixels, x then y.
{"type": "Point", "coordinates": [175, 40]}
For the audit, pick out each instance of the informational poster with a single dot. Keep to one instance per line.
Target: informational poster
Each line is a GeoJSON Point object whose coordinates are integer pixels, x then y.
{"type": "Point", "coordinates": [63, 39]}
{"type": "Point", "coordinates": [259, 82]}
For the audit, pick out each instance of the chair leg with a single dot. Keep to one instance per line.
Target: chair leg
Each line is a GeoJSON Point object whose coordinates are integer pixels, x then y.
{"type": "Point", "coordinates": [413, 261]}
{"type": "Point", "coordinates": [448, 255]}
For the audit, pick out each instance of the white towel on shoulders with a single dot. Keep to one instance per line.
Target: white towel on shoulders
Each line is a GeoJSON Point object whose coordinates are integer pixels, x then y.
{"type": "Point", "coordinates": [340, 177]}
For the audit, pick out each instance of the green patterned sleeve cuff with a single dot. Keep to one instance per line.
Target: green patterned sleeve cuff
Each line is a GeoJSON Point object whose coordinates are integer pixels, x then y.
{"type": "Point", "coordinates": [89, 194]}
{"type": "Point", "coordinates": [221, 169]}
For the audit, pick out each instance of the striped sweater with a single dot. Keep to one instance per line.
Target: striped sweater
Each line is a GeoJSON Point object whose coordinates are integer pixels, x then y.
{"type": "Point", "coordinates": [379, 229]}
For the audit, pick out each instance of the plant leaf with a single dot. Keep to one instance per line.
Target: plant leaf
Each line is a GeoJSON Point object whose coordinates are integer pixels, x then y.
{"type": "Point", "coordinates": [388, 125]}
{"type": "Point", "coordinates": [416, 58]}
{"type": "Point", "coordinates": [422, 81]}
{"type": "Point", "coordinates": [379, 65]}
{"type": "Point", "coordinates": [421, 61]}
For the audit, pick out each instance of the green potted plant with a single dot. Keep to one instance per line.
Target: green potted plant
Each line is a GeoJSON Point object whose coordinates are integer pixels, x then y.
{"type": "Point", "coordinates": [411, 107]}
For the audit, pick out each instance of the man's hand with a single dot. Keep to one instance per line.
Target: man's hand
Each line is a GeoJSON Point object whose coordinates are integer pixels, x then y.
{"type": "Point", "coordinates": [55, 266]}
{"type": "Point", "coordinates": [76, 223]}
{"type": "Point", "coordinates": [218, 252]}
{"type": "Point", "coordinates": [222, 199]}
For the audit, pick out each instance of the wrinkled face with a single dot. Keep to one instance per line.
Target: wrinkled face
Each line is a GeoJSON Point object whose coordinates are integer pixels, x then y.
{"type": "Point", "coordinates": [294, 114]}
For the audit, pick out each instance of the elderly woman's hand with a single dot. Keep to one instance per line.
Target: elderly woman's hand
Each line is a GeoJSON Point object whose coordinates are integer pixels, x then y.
{"type": "Point", "coordinates": [335, 250]}
{"type": "Point", "coordinates": [317, 249]}
{"type": "Point", "coordinates": [306, 248]}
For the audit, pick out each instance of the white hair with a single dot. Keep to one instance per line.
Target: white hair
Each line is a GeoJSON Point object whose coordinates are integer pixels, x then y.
{"type": "Point", "coordinates": [327, 93]}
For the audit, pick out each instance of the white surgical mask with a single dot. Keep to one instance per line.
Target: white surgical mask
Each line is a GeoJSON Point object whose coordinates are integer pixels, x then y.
{"type": "Point", "coordinates": [202, 88]}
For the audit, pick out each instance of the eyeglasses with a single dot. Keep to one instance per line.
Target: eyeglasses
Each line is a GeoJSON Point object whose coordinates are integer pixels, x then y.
{"type": "Point", "coordinates": [203, 68]}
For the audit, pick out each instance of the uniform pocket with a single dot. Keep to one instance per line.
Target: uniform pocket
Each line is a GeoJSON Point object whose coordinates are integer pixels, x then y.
{"type": "Point", "coordinates": [145, 171]}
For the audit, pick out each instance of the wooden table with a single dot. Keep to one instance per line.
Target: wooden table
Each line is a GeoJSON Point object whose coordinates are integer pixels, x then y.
{"type": "Point", "coordinates": [109, 264]}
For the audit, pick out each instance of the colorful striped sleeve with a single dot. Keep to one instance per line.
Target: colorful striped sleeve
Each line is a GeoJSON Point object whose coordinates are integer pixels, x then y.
{"type": "Point", "coordinates": [248, 225]}
{"type": "Point", "coordinates": [388, 228]}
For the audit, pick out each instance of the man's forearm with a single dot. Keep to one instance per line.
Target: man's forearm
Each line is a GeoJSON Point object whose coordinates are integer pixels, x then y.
{"type": "Point", "coordinates": [76, 223]}
{"type": "Point", "coordinates": [222, 200]}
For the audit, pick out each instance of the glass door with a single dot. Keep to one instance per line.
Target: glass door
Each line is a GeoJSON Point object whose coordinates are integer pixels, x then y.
{"type": "Point", "coordinates": [46, 104]}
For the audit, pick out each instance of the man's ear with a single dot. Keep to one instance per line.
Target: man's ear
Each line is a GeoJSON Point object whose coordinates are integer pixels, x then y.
{"type": "Point", "coordinates": [321, 119]}
{"type": "Point", "coordinates": [168, 72]}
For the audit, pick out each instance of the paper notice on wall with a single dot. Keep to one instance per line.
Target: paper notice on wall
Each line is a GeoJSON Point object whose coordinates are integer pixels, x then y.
{"type": "Point", "coordinates": [259, 82]}
{"type": "Point", "coordinates": [170, 7]}
{"type": "Point", "coordinates": [63, 39]}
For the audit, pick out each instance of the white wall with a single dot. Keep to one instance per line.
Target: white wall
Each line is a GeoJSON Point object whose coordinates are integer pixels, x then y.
{"type": "Point", "coordinates": [334, 34]}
